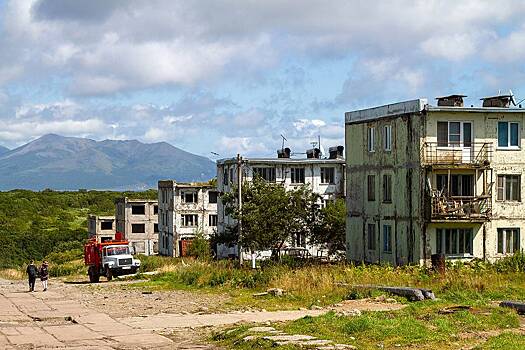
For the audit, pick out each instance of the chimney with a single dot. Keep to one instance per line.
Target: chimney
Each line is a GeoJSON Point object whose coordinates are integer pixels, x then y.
{"type": "Point", "coordinates": [284, 153]}
{"type": "Point", "coordinates": [314, 153]}
{"type": "Point", "coordinates": [450, 101]}
{"type": "Point", "coordinates": [336, 152]}
{"type": "Point", "coordinates": [501, 101]}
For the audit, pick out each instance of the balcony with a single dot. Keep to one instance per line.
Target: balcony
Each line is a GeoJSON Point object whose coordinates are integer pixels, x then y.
{"type": "Point", "coordinates": [477, 154]}
{"type": "Point", "coordinates": [471, 208]}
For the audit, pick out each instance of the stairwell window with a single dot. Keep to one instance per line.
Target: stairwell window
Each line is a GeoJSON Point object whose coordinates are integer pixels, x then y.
{"type": "Point", "coordinates": [371, 139]}
{"type": "Point", "coordinates": [454, 241]}
{"type": "Point", "coordinates": [508, 240]}
{"type": "Point", "coordinates": [371, 237]}
{"type": "Point", "coordinates": [509, 188]}
{"type": "Point", "coordinates": [387, 188]}
{"type": "Point", "coordinates": [387, 238]}
{"type": "Point", "coordinates": [508, 135]}
{"type": "Point", "coordinates": [371, 188]}
{"type": "Point", "coordinates": [387, 137]}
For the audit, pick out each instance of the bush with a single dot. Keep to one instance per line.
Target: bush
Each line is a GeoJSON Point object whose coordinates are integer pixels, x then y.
{"type": "Point", "coordinates": [513, 263]}
{"type": "Point", "coordinates": [200, 247]}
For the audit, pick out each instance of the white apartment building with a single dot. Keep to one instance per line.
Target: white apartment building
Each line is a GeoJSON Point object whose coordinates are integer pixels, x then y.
{"type": "Point", "coordinates": [102, 228]}
{"type": "Point", "coordinates": [425, 180]}
{"type": "Point", "coordinates": [184, 210]}
{"type": "Point", "coordinates": [325, 176]}
{"type": "Point", "coordinates": [137, 219]}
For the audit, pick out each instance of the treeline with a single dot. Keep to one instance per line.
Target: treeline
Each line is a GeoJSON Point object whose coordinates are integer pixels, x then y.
{"type": "Point", "coordinates": [35, 224]}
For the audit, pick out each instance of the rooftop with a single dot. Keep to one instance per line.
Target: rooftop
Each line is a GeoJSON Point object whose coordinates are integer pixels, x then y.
{"type": "Point", "coordinates": [185, 184]}
{"type": "Point", "coordinates": [283, 161]}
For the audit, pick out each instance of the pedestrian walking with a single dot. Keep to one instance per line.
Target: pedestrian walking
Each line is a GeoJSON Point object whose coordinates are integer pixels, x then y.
{"type": "Point", "coordinates": [32, 273]}
{"type": "Point", "coordinates": [44, 274]}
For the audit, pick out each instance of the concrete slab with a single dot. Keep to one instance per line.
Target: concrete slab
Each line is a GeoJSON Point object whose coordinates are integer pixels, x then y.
{"type": "Point", "coordinates": [143, 340]}
{"type": "Point", "coordinates": [9, 331]}
{"type": "Point", "coordinates": [35, 336]}
{"type": "Point", "coordinates": [71, 333]}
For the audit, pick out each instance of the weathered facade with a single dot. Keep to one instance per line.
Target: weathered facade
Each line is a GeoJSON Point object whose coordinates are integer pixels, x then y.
{"type": "Point", "coordinates": [101, 227]}
{"type": "Point", "coordinates": [137, 219]}
{"type": "Point", "coordinates": [325, 176]}
{"type": "Point", "coordinates": [184, 210]}
{"type": "Point", "coordinates": [425, 180]}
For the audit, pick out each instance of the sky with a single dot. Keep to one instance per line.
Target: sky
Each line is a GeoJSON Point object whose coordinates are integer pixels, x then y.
{"type": "Point", "coordinates": [232, 76]}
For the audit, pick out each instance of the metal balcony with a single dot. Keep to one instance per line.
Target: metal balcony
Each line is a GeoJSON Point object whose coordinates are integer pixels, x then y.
{"type": "Point", "coordinates": [477, 154]}
{"type": "Point", "coordinates": [471, 208]}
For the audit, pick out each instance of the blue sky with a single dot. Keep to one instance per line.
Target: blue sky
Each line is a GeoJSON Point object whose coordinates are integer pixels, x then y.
{"type": "Point", "coordinates": [232, 76]}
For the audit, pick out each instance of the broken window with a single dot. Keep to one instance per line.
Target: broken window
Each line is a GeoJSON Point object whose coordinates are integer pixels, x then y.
{"type": "Point", "coordinates": [371, 188]}
{"type": "Point", "coordinates": [138, 209]}
{"type": "Point", "coordinates": [155, 210]}
{"type": "Point", "coordinates": [138, 228]}
{"type": "Point", "coordinates": [387, 238]}
{"type": "Point", "coordinates": [371, 237]}
{"type": "Point", "coordinates": [297, 175]}
{"type": "Point", "coordinates": [106, 225]}
{"type": "Point", "coordinates": [508, 135]}
{"type": "Point", "coordinates": [460, 185]}
{"type": "Point", "coordinates": [212, 196]}
{"type": "Point", "coordinates": [212, 220]}
{"type": "Point", "coordinates": [267, 174]}
{"type": "Point", "coordinates": [156, 228]}
{"type": "Point", "coordinates": [509, 188]}
{"type": "Point", "coordinates": [189, 220]}
{"type": "Point", "coordinates": [450, 134]}
{"type": "Point", "coordinates": [508, 240]}
{"type": "Point", "coordinates": [328, 175]}
{"type": "Point", "coordinates": [454, 241]}
{"type": "Point", "coordinates": [371, 139]}
{"type": "Point", "coordinates": [387, 137]}
{"type": "Point", "coordinates": [190, 197]}
{"type": "Point", "coordinates": [387, 188]}
{"type": "Point", "coordinates": [225, 177]}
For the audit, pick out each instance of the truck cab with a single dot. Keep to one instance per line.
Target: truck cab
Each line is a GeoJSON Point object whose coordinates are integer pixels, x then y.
{"type": "Point", "coordinates": [118, 260]}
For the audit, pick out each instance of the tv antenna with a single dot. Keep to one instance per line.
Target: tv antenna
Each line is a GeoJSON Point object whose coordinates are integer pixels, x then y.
{"type": "Point", "coordinates": [284, 139]}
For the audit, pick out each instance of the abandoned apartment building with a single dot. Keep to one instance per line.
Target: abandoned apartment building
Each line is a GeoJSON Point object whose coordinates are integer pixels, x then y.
{"type": "Point", "coordinates": [101, 227]}
{"type": "Point", "coordinates": [137, 219]}
{"type": "Point", "coordinates": [324, 175]}
{"type": "Point", "coordinates": [424, 180]}
{"type": "Point", "coordinates": [184, 210]}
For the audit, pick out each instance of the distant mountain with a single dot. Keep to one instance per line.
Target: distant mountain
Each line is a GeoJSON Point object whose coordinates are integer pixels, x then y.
{"type": "Point", "coordinates": [3, 149]}
{"type": "Point", "coordinates": [70, 163]}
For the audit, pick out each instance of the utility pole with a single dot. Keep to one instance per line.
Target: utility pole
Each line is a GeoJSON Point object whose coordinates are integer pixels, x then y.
{"type": "Point", "coordinates": [239, 203]}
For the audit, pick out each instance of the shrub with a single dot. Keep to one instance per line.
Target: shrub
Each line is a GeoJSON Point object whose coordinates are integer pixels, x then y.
{"type": "Point", "coordinates": [513, 263]}
{"type": "Point", "coordinates": [200, 247]}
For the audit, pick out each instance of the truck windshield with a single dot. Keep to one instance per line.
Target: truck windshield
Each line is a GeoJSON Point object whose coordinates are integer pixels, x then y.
{"type": "Point", "coordinates": [117, 251]}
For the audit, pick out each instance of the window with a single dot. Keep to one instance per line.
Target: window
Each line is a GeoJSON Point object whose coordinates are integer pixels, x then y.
{"type": "Point", "coordinates": [190, 197]}
{"type": "Point", "coordinates": [371, 139]}
{"type": "Point", "coordinates": [508, 240]}
{"type": "Point", "coordinates": [267, 174]}
{"type": "Point", "coordinates": [509, 188]}
{"type": "Point", "coordinates": [138, 228]}
{"type": "Point", "coordinates": [190, 220]}
{"type": "Point", "coordinates": [138, 209]}
{"type": "Point", "coordinates": [454, 241]}
{"type": "Point", "coordinates": [371, 237]}
{"type": "Point", "coordinates": [156, 228]}
{"type": "Point", "coordinates": [232, 170]}
{"type": "Point", "coordinates": [508, 135]}
{"type": "Point", "coordinates": [387, 188]}
{"type": "Point", "coordinates": [225, 180]}
{"type": "Point", "coordinates": [387, 137]}
{"type": "Point", "coordinates": [328, 176]}
{"type": "Point", "coordinates": [451, 134]}
{"type": "Point", "coordinates": [106, 225]}
{"type": "Point", "coordinates": [371, 188]}
{"type": "Point", "coordinates": [155, 210]}
{"type": "Point", "coordinates": [212, 220]}
{"type": "Point", "coordinates": [387, 238]}
{"type": "Point", "coordinates": [297, 175]}
{"type": "Point", "coordinates": [212, 196]}
{"type": "Point", "coordinates": [460, 185]}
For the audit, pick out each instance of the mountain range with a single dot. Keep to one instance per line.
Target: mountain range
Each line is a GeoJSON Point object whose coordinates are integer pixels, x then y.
{"type": "Point", "coordinates": [71, 163]}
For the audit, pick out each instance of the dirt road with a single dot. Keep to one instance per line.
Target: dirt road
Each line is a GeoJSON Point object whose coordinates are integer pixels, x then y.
{"type": "Point", "coordinates": [111, 316]}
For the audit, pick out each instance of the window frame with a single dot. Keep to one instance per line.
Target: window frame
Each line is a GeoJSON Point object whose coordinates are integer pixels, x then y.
{"type": "Point", "coordinates": [502, 240]}
{"type": "Point", "coordinates": [387, 188]}
{"type": "Point", "coordinates": [327, 172]}
{"type": "Point", "coordinates": [184, 221]}
{"type": "Point", "coordinates": [387, 238]}
{"type": "Point", "coordinates": [387, 138]}
{"type": "Point", "coordinates": [503, 188]}
{"type": "Point", "coordinates": [457, 235]}
{"type": "Point", "coordinates": [215, 195]}
{"type": "Point", "coordinates": [371, 237]}
{"type": "Point", "coordinates": [371, 188]}
{"type": "Point", "coordinates": [371, 135]}
{"type": "Point", "coordinates": [297, 175]}
{"type": "Point", "coordinates": [509, 135]}
{"type": "Point", "coordinates": [193, 194]}
{"type": "Point", "coordinates": [210, 223]}
{"type": "Point", "coordinates": [265, 170]}
{"type": "Point", "coordinates": [453, 144]}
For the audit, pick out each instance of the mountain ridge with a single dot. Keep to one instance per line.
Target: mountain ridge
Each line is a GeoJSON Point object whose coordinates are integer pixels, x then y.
{"type": "Point", "coordinates": [69, 163]}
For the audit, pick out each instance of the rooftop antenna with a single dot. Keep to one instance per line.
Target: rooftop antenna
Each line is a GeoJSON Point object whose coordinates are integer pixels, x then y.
{"type": "Point", "coordinates": [512, 97]}
{"type": "Point", "coordinates": [284, 139]}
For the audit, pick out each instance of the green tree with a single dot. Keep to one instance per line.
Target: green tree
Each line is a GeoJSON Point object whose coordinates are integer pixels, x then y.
{"type": "Point", "coordinates": [200, 247]}
{"type": "Point", "coordinates": [270, 214]}
{"type": "Point", "coordinates": [330, 228]}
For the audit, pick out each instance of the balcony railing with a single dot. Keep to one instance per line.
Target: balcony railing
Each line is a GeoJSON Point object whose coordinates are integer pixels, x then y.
{"type": "Point", "coordinates": [474, 154]}
{"type": "Point", "coordinates": [460, 208]}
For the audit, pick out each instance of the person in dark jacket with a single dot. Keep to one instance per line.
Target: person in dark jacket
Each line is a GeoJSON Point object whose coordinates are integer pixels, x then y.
{"type": "Point", "coordinates": [44, 274]}
{"type": "Point", "coordinates": [32, 273]}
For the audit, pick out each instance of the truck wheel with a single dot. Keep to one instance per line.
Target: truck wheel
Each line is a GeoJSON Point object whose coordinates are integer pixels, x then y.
{"type": "Point", "coordinates": [109, 274]}
{"type": "Point", "coordinates": [94, 277]}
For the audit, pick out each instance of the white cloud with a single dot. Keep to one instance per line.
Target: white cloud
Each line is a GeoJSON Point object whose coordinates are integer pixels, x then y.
{"type": "Point", "coordinates": [155, 135]}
